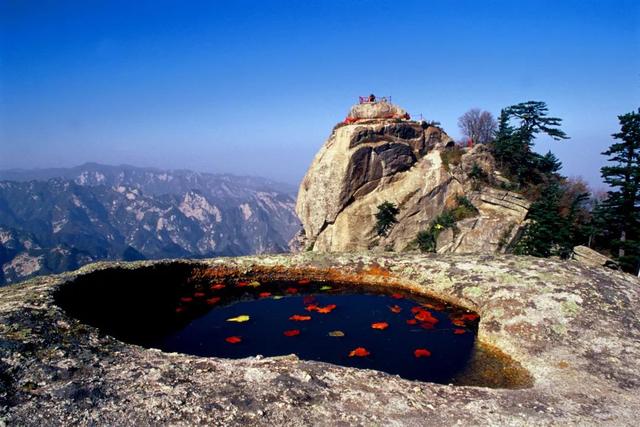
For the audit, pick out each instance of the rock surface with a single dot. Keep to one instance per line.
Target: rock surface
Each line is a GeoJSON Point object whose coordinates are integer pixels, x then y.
{"type": "Point", "coordinates": [376, 110]}
{"type": "Point", "coordinates": [373, 161]}
{"type": "Point", "coordinates": [575, 329]}
{"type": "Point", "coordinates": [590, 257]}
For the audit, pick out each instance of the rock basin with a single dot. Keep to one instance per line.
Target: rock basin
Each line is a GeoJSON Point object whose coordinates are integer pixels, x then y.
{"type": "Point", "coordinates": [572, 333]}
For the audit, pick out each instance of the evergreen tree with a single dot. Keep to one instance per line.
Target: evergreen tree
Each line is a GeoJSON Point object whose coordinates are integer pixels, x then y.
{"type": "Point", "coordinates": [623, 201]}
{"type": "Point", "coordinates": [385, 217]}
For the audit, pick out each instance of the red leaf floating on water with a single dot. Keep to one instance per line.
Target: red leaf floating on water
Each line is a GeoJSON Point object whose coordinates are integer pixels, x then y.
{"type": "Point", "coordinates": [395, 309]}
{"type": "Point", "coordinates": [421, 352]}
{"type": "Point", "coordinates": [291, 332]}
{"type": "Point", "coordinates": [299, 318]}
{"type": "Point", "coordinates": [412, 322]}
{"type": "Point", "coordinates": [425, 316]}
{"type": "Point", "coordinates": [233, 340]}
{"type": "Point", "coordinates": [291, 290]}
{"type": "Point", "coordinates": [380, 325]}
{"type": "Point", "coordinates": [458, 322]}
{"type": "Point", "coordinates": [359, 352]}
{"type": "Point", "coordinates": [459, 331]}
{"type": "Point", "coordinates": [469, 316]}
{"type": "Point", "coordinates": [186, 299]}
{"type": "Point", "coordinates": [199, 294]}
{"type": "Point", "coordinates": [217, 286]}
{"type": "Point", "coordinates": [311, 307]}
{"type": "Point", "coordinates": [326, 309]}
{"type": "Point", "coordinates": [242, 284]}
{"type": "Point", "coordinates": [397, 296]}
{"type": "Point", "coordinates": [213, 300]}
{"type": "Point", "coordinates": [264, 294]}
{"type": "Point", "coordinates": [304, 281]}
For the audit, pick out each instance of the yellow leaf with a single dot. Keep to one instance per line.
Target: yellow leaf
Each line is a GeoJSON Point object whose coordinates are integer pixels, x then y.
{"type": "Point", "coordinates": [325, 288]}
{"type": "Point", "coordinates": [278, 297]}
{"type": "Point", "coordinates": [254, 284]}
{"type": "Point", "coordinates": [336, 334]}
{"type": "Point", "coordinates": [239, 319]}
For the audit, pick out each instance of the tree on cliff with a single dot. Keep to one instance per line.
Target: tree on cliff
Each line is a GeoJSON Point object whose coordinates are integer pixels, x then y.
{"type": "Point", "coordinates": [479, 126]}
{"type": "Point", "coordinates": [385, 217]}
{"type": "Point", "coordinates": [513, 146]}
{"type": "Point", "coordinates": [622, 206]}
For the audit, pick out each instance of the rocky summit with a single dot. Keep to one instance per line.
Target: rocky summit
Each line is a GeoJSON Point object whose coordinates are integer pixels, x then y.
{"type": "Point", "coordinates": [379, 155]}
{"type": "Point", "coordinates": [573, 329]}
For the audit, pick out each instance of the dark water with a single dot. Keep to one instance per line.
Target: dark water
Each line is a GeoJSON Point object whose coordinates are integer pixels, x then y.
{"type": "Point", "coordinates": [444, 348]}
{"type": "Point", "coordinates": [160, 308]}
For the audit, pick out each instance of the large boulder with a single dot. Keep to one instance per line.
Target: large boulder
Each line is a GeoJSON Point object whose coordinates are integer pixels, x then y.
{"type": "Point", "coordinates": [373, 161]}
{"type": "Point", "coordinates": [376, 110]}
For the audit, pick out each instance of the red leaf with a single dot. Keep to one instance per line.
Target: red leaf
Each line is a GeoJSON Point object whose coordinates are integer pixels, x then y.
{"type": "Point", "coordinates": [242, 284]}
{"type": "Point", "coordinates": [291, 332]}
{"type": "Point", "coordinates": [299, 318]}
{"type": "Point", "coordinates": [397, 296]}
{"type": "Point", "coordinates": [311, 307]}
{"type": "Point", "coordinates": [291, 290]}
{"type": "Point", "coordinates": [412, 322]}
{"type": "Point", "coordinates": [264, 294]}
{"type": "Point", "coordinates": [179, 309]}
{"type": "Point", "coordinates": [217, 286]}
{"type": "Point", "coordinates": [380, 325]}
{"type": "Point", "coordinates": [326, 309]}
{"type": "Point", "coordinates": [421, 352]}
{"type": "Point", "coordinates": [458, 322]}
{"type": "Point", "coordinates": [395, 309]}
{"type": "Point", "coordinates": [213, 300]}
{"type": "Point", "coordinates": [304, 281]}
{"type": "Point", "coordinates": [359, 352]}
{"type": "Point", "coordinates": [199, 294]}
{"type": "Point", "coordinates": [233, 340]}
{"type": "Point", "coordinates": [186, 299]}
{"type": "Point", "coordinates": [459, 331]}
{"type": "Point", "coordinates": [469, 316]}
{"type": "Point", "coordinates": [425, 316]}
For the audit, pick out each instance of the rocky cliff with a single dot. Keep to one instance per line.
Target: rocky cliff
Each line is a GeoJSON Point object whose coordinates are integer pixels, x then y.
{"type": "Point", "coordinates": [417, 167]}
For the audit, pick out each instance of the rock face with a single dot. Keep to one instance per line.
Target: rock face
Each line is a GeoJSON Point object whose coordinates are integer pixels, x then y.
{"type": "Point", "coordinates": [590, 257]}
{"type": "Point", "coordinates": [413, 165]}
{"type": "Point", "coordinates": [575, 329]}
{"type": "Point", "coordinates": [376, 110]}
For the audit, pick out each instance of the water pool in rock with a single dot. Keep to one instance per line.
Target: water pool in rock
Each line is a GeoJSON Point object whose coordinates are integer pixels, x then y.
{"type": "Point", "coordinates": [350, 325]}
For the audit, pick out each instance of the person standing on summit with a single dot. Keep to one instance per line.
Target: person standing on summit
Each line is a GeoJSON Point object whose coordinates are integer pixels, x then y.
{"type": "Point", "coordinates": [372, 98]}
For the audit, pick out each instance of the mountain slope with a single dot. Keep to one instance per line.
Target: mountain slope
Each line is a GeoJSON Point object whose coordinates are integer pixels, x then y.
{"type": "Point", "coordinates": [96, 212]}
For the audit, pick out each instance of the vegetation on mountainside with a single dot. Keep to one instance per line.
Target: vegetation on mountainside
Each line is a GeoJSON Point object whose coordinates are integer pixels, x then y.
{"type": "Point", "coordinates": [426, 240]}
{"type": "Point", "coordinates": [385, 218]}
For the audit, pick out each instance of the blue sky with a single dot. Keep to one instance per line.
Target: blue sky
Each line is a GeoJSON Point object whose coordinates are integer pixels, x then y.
{"type": "Point", "coordinates": [254, 87]}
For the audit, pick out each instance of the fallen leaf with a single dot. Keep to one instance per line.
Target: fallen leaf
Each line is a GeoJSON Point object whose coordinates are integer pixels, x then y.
{"type": "Point", "coordinates": [239, 319]}
{"type": "Point", "coordinates": [459, 331]}
{"type": "Point", "coordinates": [217, 286]}
{"type": "Point", "coordinates": [233, 340]}
{"type": "Point", "coordinates": [291, 332]}
{"type": "Point", "coordinates": [311, 307]}
{"type": "Point", "coordinates": [359, 352]}
{"type": "Point", "coordinates": [291, 290]}
{"type": "Point", "coordinates": [336, 334]}
{"type": "Point", "coordinates": [254, 284]}
{"type": "Point", "coordinates": [380, 325]}
{"type": "Point", "coordinates": [412, 322]}
{"type": "Point", "coordinates": [421, 352]}
{"type": "Point", "coordinates": [186, 299]}
{"type": "Point", "coordinates": [458, 322]}
{"type": "Point", "coordinates": [199, 294]}
{"type": "Point", "coordinates": [242, 284]}
{"type": "Point", "coordinates": [326, 288]}
{"type": "Point", "coordinates": [395, 309]}
{"type": "Point", "coordinates": [213, 300]}
{"type": "Point", "coordinates": [299, 318]}
{"type": "Point", "coordinates": [397, 296]}
{"type": "Point", "coordinates": [326, 309]}
{"type": "Point", "coordinates": [425, 316]}
{"type": "Point", "coordinates": [304, 281]}
{"type": "Point", "coordinates": [264, 294]}
{"type": "Point", "coordinates": [179, 309]}
{"type": "Point", "coordinates": [469, 316]}
{"type": "Point", "coordinates": [278, 297]}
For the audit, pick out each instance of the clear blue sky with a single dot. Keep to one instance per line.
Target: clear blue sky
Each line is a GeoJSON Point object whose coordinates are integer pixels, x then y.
{"type": "Point", "coordinates": [254, 87]}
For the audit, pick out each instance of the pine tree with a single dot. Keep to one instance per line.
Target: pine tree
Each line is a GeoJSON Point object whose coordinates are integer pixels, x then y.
{"type": "Point", "coordinates": [623, 201]}
{"type": "Point", "coordinates": [385, 217]}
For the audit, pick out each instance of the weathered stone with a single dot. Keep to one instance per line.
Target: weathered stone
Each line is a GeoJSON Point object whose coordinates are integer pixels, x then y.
{"type": "Point", "coordinates": [590, 257]}
{"type": "Point", "coordinates": [365, 164]}
{"type": "Point", "coordinates": [575, 329]}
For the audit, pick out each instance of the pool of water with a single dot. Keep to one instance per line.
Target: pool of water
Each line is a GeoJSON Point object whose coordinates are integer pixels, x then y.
{"type": "Point", "coordinates": [350, 325]}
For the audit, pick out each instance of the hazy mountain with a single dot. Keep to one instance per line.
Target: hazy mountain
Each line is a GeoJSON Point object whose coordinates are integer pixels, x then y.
{"type": "Point", "coordinates": [53, 220]}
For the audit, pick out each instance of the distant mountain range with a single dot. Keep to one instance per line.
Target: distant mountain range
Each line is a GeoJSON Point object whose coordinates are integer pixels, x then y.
{"type": "Point", "coordinates": [52, 220]}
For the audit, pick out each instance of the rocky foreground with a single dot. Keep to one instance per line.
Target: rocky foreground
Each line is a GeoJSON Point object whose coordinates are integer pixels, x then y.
{"type": "Point", "coordinates": [574, 329]}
